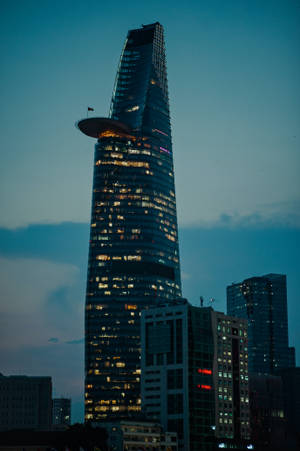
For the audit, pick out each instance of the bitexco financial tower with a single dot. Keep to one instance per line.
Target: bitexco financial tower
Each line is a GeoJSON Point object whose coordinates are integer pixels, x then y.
{"type": "Point", "coordinates": [133, 253]}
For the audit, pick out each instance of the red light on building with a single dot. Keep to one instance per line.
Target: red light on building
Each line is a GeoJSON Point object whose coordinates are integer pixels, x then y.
{"type": "Point", "coordinates": [204, 371]}
{"type": "Point", "coordinates": [204, 387]}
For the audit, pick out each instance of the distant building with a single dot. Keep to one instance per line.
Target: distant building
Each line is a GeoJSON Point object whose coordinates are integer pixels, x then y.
{"type": "Point", "coordinates": [195, 375]}
{"type": "Point", "coordinates": [263, 302]}
{"type": "Point", "coordinates": [25, 402]}
{"type": "Point", "coordinates": [138, 435]}
{"type": "Point", "coordinates": [61, 412]}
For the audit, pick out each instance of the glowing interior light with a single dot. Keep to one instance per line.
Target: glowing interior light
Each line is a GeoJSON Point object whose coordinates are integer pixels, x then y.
{"type": "Point", "coordinates": [165, 150]}
{"type": "Point", "coordinates": [134, 108]}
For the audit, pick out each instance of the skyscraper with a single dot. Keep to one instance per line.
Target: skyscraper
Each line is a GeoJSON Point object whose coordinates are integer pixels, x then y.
{"type": "Point", "coordinates": [263, 302]}
{"type": "Point", "coordinates": [133, 253]}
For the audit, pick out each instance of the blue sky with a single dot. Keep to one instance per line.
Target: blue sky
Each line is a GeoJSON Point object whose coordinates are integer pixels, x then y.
{"type": "Point", "coordinates": [233, 70]}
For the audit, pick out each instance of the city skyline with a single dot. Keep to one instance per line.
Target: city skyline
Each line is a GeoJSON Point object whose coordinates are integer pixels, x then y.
{"type": "Point", "coordinates": [241, 168]}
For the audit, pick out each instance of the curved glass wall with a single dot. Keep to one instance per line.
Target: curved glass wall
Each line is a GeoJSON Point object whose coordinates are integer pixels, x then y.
{"type": "Point", "coordinates": [133, 255]}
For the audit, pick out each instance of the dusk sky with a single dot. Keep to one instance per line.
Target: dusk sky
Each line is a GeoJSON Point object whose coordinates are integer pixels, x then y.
{"type": "Point", "coordinates": [233, 71]}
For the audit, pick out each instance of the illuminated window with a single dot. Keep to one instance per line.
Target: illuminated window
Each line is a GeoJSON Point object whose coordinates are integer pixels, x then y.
{"type": "Point", "coordinates": [130, 307]}
{"type": "Point", "coordinates": [102, 285]}
{"type": "Point", "coordinates": [134, 108]}
{"type": "Point", "coordinates": [103, 257]}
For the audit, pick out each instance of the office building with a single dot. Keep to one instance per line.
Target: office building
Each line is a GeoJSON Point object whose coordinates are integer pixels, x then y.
{"type": "Point", "coordinates": [61, 412]}
{"type": "Point", "coordinates": [25, 402]}
{"type": "Point", "coordinates": [133, 252]}
{"type": "Point", "coordinates": [195, 375]}
{"type": "Point", "coordinates": [263, 302]}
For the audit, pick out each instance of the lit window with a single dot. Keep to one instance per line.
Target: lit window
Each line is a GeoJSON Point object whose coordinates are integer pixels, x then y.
{"type": "Point", "coordinates": [103, 257]}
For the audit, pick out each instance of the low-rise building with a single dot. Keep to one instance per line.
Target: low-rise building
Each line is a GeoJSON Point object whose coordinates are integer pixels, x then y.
{"type": "Point", "coordinates": [25, 402]}
{"type": "Point", "coordinates": [138, 435]}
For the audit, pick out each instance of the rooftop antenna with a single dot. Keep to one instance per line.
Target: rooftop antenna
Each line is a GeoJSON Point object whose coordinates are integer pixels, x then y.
{"type": "Point", "coordinates": [201, 301]}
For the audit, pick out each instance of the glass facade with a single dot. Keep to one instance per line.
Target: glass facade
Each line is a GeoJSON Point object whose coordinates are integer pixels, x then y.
{"type": "Point", "coordinates": [133, 253]}
{"type": "Point", "coordinates": [200, 371]}
{"type": "Point", "coordinates": [263, 302]}
{"type": "Point", "coordinates": [140, 98]}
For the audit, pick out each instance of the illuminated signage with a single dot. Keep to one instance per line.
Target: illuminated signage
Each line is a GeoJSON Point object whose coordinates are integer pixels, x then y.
{"type": "Point", "coordinates": [204, 387]}
{"type": "Point", "coordinates": [204, 371]}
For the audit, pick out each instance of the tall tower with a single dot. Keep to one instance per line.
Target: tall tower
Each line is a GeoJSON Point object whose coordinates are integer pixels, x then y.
{"type": "Point", "coordinates": [133, 253]}
{"type": "Point", "coordinates": [263, 302]}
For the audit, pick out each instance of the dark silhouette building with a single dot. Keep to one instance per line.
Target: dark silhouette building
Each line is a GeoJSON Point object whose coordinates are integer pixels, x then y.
{"type": "Point", "coordinates": [263, 302]}
{"type": "Point", "coordinates": [268, 422]}
{"type": "Point", "coordinates": [133, 253]}
{"type": "Point", "coordinates": [25, 402]}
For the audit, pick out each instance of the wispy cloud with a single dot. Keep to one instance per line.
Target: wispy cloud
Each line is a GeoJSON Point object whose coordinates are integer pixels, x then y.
{"type": "Point", "coordinates": [266, 216]}
{"type": "Point", "coordinates": [64, 363]}
{"type": "Point", "coordinates": [27, 315]}
{"type": "Point", "coordinates": [75, 342]}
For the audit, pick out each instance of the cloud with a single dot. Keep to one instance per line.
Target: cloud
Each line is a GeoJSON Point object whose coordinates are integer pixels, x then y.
{"type": "Point", "coordinates": [53, 340]}
{"type": "Point", "coordinates": [39, 299]}
{"type": "Point", "coordinates": [266, 216]}
{"type": "Point", "coordinates": [65, 243]}
{"type": "Point", "coordinates": [64, 363]}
